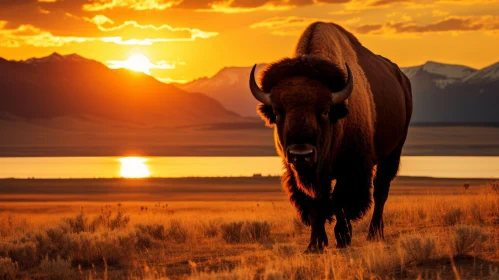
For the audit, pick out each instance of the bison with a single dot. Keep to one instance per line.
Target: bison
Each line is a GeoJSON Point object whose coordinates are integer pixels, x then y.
{"type": "Point", "coordinates": [341, 115]}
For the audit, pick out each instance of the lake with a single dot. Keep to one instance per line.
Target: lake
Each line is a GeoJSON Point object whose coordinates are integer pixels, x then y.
{"type": "Point", "coordinates": [138, 167]}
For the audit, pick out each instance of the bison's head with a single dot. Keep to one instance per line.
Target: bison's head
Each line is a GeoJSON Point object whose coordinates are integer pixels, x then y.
{"type": "Point", "coordinates": [303, 97]}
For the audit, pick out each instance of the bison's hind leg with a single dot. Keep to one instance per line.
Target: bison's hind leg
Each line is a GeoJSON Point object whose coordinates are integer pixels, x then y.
{"type": "Point", "coordinates": [386, 171]}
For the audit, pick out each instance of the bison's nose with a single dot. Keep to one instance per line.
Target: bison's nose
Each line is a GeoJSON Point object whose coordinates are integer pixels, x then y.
{"type": "Point", "coordinates": [301, 154]}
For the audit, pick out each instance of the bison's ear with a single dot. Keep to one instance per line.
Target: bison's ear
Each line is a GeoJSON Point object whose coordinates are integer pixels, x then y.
{"type": "Point", "coordinates": [338, 112]}
{"type": "Point", "coordinates": [267, 114]}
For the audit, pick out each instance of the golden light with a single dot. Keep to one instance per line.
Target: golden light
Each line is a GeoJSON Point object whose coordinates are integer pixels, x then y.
{"type": "Point", "coordinates": [134, 167]}
{"type": "Point", "coordinates": [138, 63]}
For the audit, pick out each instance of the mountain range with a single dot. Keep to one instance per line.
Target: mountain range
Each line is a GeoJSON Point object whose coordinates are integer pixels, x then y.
{"type": "Point", "coordinates": [230, 87]}
{"type": "Point", "coordinates": [67, 105]}
{"type": "Point", "coordinates": [442, 93]}
{"type": "Point", "coordinates": [72, 86]}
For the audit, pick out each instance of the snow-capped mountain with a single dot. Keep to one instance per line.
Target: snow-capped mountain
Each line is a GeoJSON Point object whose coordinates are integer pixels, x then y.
{"type": "Point", "coordinates": [441, 74]}
{"type": "Point", "coordinates": [230, 87]}
{"type": "Point", "coordinates": [454, 94]}
{"type": "Point", "coordinates": [487, 74]}
{"type": "Point", "coordinates": [441, 92]}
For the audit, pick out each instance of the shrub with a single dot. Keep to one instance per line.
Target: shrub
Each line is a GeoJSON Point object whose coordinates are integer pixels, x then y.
{"type": "Point", "coordinates": [477, 214]}
{"type": "Point", "coordinates": [79, 223]}
{"type": "Point", "coordinates": [11, 225]}
{"type": "Point", "coordinates": [117, 249]}
{"type": "Point", "coordinates": [286, 250]}
{"type": "Point", "coordinates": [23, 253]}
{"type": "Point", "coordinates": [467, 239]}
{"type": "Point", "coordinates": [148, 235]}
{"type": "Point", "coordinates": [54, 242]}
{"type": "Point", "coordinates": [144, 241]}
{"type": "Point", "coordinates": [231, 232]}
{"type": "Point", "coordinates": [120, 221]}
{"type": "Point", "coordinates": [156, 231]}
{"type": "Point", "coordinates": [211, 228]}
{"type": "Point", "coordinates": [494, 187]}
{"type": "Point", "coordinates": [422, 213]}
{"type": "Point", "coordinates": [379, 260]}
{"type": "Point", "coordinates": [85, 251]}
{"type": "Point", "coordinates": [273, 275]}
{"type": "Point", "coordinates": [452, 216]}
{"type": "Point", "coordinates": [57, 268]}
{"type": "Point", "coordinates": [8, 269]}
{"type": "Point", "coordinates": [178, 232]}
{"type": "Point", "coordinates": [255, 231]}
{"type": "Point", "coordinates": [418, 249]}
{"type": "Point", "coordinates": [249, 231]}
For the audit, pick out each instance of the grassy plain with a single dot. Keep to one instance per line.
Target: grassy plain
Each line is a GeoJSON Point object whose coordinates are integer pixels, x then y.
{"type": "Point", "coordinates": [237, 228]}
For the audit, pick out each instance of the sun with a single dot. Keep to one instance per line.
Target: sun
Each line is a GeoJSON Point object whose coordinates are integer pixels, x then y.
{"type": "Point", "coordinates": [134, 167]}
{"type": "Point", "coordinates": [138, 63]}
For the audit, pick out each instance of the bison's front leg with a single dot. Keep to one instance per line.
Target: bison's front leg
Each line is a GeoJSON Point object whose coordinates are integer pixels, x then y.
{"type": "Point", "coordinates": [313, 212]}
{"type": "Point", "coordinates": [351, 199]}
{"type": "Point", "coordinates": [318, 235]}
{"type": "Point", "coordinates": [342, 229]}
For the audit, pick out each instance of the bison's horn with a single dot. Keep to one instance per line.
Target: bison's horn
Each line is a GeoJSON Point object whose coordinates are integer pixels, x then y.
{"type": "Point", "coordinates": [343, 94]}
{"type": "Point", "coordinates": [259, 94]}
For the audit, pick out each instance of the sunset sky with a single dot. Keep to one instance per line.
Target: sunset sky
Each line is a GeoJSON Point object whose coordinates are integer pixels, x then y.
{"type": "Point", "coordinates": [187, 39]}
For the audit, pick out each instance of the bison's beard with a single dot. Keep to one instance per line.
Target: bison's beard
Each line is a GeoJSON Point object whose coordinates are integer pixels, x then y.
{"type": "Point", "coordinates": [307, 180]}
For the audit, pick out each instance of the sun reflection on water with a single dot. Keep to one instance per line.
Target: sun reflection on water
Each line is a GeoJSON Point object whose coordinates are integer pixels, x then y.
{"type": "Point", "coordinates": [134, 167]}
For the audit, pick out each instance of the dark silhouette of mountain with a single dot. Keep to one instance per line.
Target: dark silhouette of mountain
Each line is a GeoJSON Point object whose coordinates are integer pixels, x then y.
{"type": "Point", "coordinates": [444, 94]}
{"type": "Point", "coordinates": [60, 86]}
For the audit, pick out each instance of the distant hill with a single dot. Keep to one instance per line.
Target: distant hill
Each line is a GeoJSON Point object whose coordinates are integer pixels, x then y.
{"type": "Point", "coordinates": [230, 87]}
{"type": "Point", "coordinates": [443, 94]}
{"type": "Point", "coordinates": [454, 94]}
{"type": "Point", "coordinates": [71, 86]}
{"type": "Point", "coordinates": [67, 105]}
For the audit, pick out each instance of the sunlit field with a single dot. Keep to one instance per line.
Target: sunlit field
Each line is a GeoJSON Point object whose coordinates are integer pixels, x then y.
{"type": "Point", "coordinates": [446, 232]}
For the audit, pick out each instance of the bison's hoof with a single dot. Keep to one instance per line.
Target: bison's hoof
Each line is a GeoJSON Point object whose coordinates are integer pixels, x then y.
{"type": "Point", "coordinates": [375, 236]}
{"type": "Point", "coordinates": [314, 250]}
{"type": "Point", "coordinates": [343, 239]}
{"type": "Point", "coordinates": [341, 245]}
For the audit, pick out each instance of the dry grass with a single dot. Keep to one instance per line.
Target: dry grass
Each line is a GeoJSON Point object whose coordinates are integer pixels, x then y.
{"type": "Point", "coordinates": [247, 240]}
{"type": "Point", "coordinates": [418, 248]}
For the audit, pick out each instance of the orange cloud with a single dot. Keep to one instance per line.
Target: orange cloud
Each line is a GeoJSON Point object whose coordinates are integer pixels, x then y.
{"type": "Point", "coordinates": [359, 5]}
{"type": "Point", "coordinates": [139, 5]}
{"type": "Point", "coordinates": [449, 24]}
{"type": "Point", "coordinates": [293, 26]}
{"type": "Point", "coordinates": [128, 33]}
{"type": "Point", "coordinates": [284, 26]}
{"type": "Point", "coordinates": [222, 6]}
{"type": "Point", "coordinates": [29, 35]}
{"type": "Point", "coordinates": [146, 34]}
{"type": "Point", "coordinates": [244, 6]}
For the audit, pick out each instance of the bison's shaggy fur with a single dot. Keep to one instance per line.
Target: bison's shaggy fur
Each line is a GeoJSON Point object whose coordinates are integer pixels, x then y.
{"type": "Point", "coordinates": [351, 138]}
